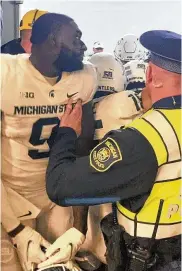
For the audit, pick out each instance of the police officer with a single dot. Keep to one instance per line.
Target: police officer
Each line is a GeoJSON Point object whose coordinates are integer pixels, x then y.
{"type": "Point", "coordinates": [137, 167]}
{"type": "Point", "coordinates": [23, 44]}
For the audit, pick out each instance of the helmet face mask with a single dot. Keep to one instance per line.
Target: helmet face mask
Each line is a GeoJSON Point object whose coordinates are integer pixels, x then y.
{"type": "Point", "coordinates": [128, 48]}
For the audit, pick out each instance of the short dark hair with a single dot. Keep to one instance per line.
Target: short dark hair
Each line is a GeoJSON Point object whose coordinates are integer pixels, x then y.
{"type": "Point", "coordinates": [46, 24]}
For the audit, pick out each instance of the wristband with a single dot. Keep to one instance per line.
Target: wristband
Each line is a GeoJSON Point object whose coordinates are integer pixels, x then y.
{"type": "Point", "coordinates": [17, 230]}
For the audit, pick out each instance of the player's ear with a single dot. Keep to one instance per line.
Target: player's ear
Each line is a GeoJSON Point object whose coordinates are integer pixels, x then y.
{"type": "Point", "coordinates": [52, 40]}
{"type": "Point", "coordinates": [149, 74]}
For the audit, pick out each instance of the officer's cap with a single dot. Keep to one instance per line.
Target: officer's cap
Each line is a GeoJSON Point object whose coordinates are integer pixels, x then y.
{"type": "Point", "coordinates": [165, 49]}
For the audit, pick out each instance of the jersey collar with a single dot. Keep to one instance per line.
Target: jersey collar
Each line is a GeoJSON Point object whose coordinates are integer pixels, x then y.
{"type": "Point", "coordinates": [173, 102]}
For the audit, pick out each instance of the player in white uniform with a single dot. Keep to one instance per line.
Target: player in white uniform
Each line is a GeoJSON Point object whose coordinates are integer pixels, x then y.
{"type": "Point", "coordinates": [35, 90]}
{"type": "Point", "coordinates": [110, 74]}
{"type": "Point", "coordinates": [112, 112]}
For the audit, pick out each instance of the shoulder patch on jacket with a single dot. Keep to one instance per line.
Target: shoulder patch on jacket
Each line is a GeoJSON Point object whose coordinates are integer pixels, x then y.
{"type": "Point", "coordinates": [105, 154]}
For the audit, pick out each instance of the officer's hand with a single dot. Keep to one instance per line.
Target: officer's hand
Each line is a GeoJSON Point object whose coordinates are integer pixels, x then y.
{"type": "Point", "coordinates": [72, 117]}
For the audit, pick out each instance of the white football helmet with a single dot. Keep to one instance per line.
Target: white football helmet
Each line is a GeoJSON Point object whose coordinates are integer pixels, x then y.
{"type": "Point", "coordinates": [129, 48]}
{"type": "Point", "coordinates": [135, 74]}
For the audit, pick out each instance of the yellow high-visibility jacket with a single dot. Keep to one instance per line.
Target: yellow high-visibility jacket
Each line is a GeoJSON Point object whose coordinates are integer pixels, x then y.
{"type": "Point", "coordinates": [161, 127]}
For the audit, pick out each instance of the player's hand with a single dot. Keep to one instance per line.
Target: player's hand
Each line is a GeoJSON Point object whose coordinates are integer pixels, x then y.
{"type": "Point", "coordinates": [64, 248]}
{"type": "Point", "coordinates": [28, 244]}
{"type": "Point", "coordinates": [72, 117]}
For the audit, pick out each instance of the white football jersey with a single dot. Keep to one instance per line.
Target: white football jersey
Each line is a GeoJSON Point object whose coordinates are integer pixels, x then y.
{"type": "Point", "coordinates": [116, 110]}
{"type": "Point", "coordinates": [109, 72]}
{"type": "Point", "coordinates": [30, 106]}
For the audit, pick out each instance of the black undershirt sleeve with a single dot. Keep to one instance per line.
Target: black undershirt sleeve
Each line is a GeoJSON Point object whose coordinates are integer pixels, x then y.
{"type": "Point", "coordinates": [73, 181]}
{"type": "Point", "coordinates": [84, 142]}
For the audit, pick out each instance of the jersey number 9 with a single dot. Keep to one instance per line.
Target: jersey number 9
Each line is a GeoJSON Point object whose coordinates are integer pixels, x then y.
{"type": "Point", "coordinates": [36, 138]}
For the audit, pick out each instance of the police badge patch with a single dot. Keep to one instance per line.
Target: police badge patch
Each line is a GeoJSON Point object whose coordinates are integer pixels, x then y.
{"type": "Point", "coordinates": [105, 154]}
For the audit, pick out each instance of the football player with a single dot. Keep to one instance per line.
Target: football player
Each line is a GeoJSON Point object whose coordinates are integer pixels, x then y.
{"type": "Point", "coordinates": [35, 90]}
{"type": "Point", "coordinates": [110, 74]}
{"type": "Point", "coordinates": [128, 48]}
{"type": "Point", "coordinates": [122, 108]}
{"type": "Point", "coordinates": [112, 112]}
